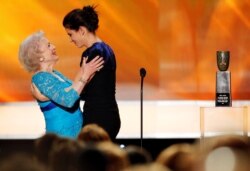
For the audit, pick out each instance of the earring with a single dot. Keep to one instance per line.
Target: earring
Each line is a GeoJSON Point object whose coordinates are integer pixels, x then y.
{"type": "Point", "coordinates": [41, 59]}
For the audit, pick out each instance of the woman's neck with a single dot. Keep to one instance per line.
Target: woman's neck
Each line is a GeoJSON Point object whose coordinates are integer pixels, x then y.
{"type": "Point", "coordinates": [47, 68]}
{"type": "Point", "coordinates": [92, 38]}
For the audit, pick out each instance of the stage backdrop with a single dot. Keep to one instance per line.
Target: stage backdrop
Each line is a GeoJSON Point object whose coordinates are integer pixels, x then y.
{"type": "Point", "coordinates": [175, 41]}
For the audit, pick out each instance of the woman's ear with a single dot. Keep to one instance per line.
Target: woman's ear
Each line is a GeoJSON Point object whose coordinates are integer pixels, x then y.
{"type": "Point", "coordinates": [82, 30]}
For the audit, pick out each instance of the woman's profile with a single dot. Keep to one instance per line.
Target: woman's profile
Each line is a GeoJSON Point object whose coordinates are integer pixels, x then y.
{"type": "Point", "coordinates": [61, 109]}
{"type": "Point", "coordinates": [100, 105]}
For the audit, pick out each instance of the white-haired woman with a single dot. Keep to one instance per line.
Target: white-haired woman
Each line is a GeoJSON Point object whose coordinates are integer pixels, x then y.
{"type": "Point", "coordinates": [61, 110]}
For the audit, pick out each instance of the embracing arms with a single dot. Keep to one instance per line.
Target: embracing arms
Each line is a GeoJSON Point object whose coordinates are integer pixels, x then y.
{"type": "Point", "coordinates": [46, 86]}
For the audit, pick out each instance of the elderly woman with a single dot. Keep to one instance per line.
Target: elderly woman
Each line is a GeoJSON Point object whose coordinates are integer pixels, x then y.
{"type": "Point", "coordinates": [61, 109]}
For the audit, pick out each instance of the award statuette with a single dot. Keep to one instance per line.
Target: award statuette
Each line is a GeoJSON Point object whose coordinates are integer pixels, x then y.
{"type": "Point", "coordinates": [223, 80]}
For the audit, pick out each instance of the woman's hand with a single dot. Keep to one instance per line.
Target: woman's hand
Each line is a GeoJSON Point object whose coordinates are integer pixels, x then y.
{"type": "Point", "coordinates": [86, 73]}
{"type": "Point", "coordinates": [37, 94]}
{"type": "Point", "coordinates": [91, 67]}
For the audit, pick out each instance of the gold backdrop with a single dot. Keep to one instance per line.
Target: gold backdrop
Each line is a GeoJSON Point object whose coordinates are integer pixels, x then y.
{"type": "Point", "coordinates": [175, 40]}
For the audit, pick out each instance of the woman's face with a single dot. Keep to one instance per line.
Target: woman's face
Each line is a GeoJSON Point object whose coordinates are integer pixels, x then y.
{"type": "Point", "coordinates": [76, 37]}
{"type": "Point", "coordinates": [48, 51]}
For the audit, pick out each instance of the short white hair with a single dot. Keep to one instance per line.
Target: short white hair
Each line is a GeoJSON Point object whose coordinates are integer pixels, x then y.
{"type": "Point", "coordinates": [29, 53]}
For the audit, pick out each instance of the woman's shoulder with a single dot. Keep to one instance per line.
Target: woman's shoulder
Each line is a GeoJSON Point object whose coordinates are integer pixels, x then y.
{"type": "Point", "coordinates": [99, 46]}
{"type": "Point", "coordinates": [102, 48]}
{"type": "Point", "coordinates": [58, 73]}
{"type": "Point", "coordinates": [98, 49]}
{"type": "Point", "coordinates": [42, 75]}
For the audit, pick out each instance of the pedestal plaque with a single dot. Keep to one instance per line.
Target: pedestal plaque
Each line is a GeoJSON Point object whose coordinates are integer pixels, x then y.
{"type": "Point", "coordinates": [223, 80]}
